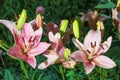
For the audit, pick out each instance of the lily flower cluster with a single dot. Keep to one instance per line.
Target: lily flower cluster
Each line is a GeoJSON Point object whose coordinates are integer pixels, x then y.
{"type": "Point", "coordinates": [27, 45]}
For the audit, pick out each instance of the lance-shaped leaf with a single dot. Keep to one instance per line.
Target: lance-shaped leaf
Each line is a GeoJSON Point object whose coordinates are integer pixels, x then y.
{"type": "Point", "coordinates": [21, 20]}
{"type": "Point", "coordinates": [107, 5]}
{"type": "Point", "coordinates": [8, 75]}
{"type": "Point", "coordinates": [76, 29]}
{"type": "Point", "coordinates": [63, 27]}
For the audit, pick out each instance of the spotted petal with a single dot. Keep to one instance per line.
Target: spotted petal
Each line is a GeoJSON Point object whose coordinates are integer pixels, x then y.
{"type": "Point", "coordinates": [40, 48]}
{"type": "Point", "coordinates": [106, 45]}
{"type": "Point", "coordinates": [16, 52]}
{"type": "Point", "coordinates": [79, 56]}
{"type": "Point", "coordinates": [92, 40]}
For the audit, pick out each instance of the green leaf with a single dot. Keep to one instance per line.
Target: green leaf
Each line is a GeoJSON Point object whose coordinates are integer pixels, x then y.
{"type": "Point", "coordinates": [63, 27]}
{"type": "Point", "coordinates": [114, 52]}
{"type": "Point", "coordinates": [21, 20]}
{"type": "Point", "coordinates": [105, 16]}
{"type": "Point", "coordinates": [107, 5]}
{"type": "Point", "coordinates": [76, 29]}
{"type": "Point", "coordinates": [8, 75]}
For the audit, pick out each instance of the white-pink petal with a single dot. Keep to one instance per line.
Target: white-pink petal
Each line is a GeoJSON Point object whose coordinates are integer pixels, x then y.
{"type": "Point", "coordinates": [40, 48]}
{"type": "Point", "coordinates": [39, 32]}
{"type": "Point", "coordinates": [9, 24]}
{"type": "Point", "coordinates": [79, 56]}
{"type": "Point", "coordinates": [89, 66]}
{"type": "Point", "coordinates": [69, 64]}
{"type": "Point", "coordinates": [78, 44]}
{"type": "Point", "coordinates": [27, 30]}
{"type": "Point", "coordinates": [51, 58]}
{"type": "Point", "coordinates": [52, 37]}
{"type": "Point", "coordinates": [31, 61]}
{"type": "Point", "coordinates": [106, 45]}
{"type": "Point", "coordinates": [104, 62]}
{"type": "Point", "coordinates": [93, 38]}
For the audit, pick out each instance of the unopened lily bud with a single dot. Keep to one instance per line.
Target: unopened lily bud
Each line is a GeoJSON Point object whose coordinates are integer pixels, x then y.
{"type": "Point", "coordinates": [67, 53]}
{"type": "Point", "coordinates": [39, 20]}
{"type": "Point", "coordinates": [21, 20]}
{"type": "Point", "coordinates": [40, 10]}
{"type": "Point", "coordinates": [95, 14]}
{"type": "Point", "coordinates": [52, 27]}
{"type": "Point", "coordinates": [100, 25]}
{"type": "Point", "coordinates": [76, 29]}
{"type": "Point", "coordinates": [63, 27]}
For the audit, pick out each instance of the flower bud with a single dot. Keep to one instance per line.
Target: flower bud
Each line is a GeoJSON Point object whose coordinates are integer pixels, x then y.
{"type": "Point", "coordinates": [21, 20]}
{"type": "Point", "coordinates": [76, 29]}
{"type": "Point", "coordinates": [40, 10]}
{"type": "Point", "coordinates": [63, 27]}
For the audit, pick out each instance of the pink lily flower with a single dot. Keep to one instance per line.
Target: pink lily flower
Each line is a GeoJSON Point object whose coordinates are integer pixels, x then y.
{"type": "Point", "coordinates": [27, 42]}
{"type": "Point", "coordinates": [91, 53]}
{"type": "Point", "coordinates": [56, 53]}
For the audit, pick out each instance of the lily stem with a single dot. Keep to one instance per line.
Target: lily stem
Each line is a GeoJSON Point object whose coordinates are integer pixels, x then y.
{"type": "Point", "coordinates": [23, 68]}
{"type": "Point", "coordinates": [2, 60]}
{"type": "Point", "coordinates": [3, 48]}
{"type": "Point", "coordinates": [62, 72]}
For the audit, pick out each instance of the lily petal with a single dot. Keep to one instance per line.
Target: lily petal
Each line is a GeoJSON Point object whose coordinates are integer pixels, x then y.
{"type": "Point", "coordinates": [27, 30]}
{"type": "Point", "coordinates": [56, 42]}
{"type": "Point", "coordinates": [39, 32]}
{"type": "Point", "coordinates": [40, 48]}
{"type": "Point", "coordinates": [32, 22]}
{"type": "Point", "coordinates": [104, 62]}
{"type": "Point", "coordinates": [31, 60]}
{"type": "Point", "coordinates": [52, 37]}
{"type": "Point", "coordinates": [100, 51]}
{"type": "Point", "coordinates": [69, 64]}
{"type": "Point", "coordinates": [61, 51]}
{"type": "Point", "coordinates": [92, 40]}
{"type": "Point", "coordinates": [16, 36]}
{"type": "Point", "coordinates": [51, 58]}
{"type": "Point", "coordinates": [78, 44]}
{"type": "Point", "coordinates": [89, 66]}
{"type": "Point", "coordinates": [10, 25]}
{"type": "Point", "coordinates": [106, 45]}
{"type": "Point", "coordinates": [16, 52]}
{"type": "Point", "coordinates": [79, 56]}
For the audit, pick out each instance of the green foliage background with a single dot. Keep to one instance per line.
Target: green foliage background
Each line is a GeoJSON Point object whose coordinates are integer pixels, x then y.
{"type": "Point", "coordinates": [56, 10]}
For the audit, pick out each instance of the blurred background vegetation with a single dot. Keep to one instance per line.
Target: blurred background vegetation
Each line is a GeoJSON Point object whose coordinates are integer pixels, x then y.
{"type": "Point", "coordinates": [55, 11]}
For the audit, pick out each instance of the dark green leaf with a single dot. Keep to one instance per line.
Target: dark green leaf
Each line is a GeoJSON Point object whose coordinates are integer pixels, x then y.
{"type": "Point", "coordinates": [8, 75]}
{"type": "Point", "coordinates": [107, 5]}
